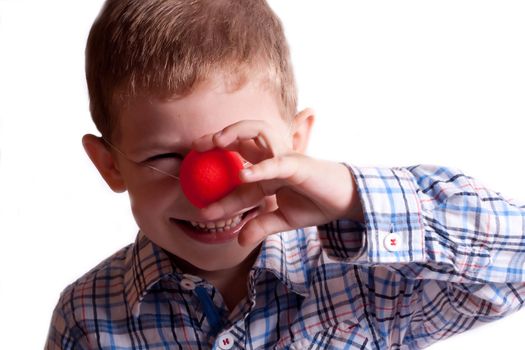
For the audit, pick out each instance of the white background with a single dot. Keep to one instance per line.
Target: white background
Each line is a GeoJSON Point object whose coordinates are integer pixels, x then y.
{"type": "Point", "coordinates": [393, 83]}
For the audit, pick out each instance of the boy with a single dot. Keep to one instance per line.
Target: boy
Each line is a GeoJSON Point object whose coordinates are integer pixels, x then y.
{"type": "Point", "coordinates": [305, 253]}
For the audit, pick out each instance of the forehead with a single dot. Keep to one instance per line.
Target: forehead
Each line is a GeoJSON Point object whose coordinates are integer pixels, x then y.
{"type": "Point", "coordinates": [210, 107]}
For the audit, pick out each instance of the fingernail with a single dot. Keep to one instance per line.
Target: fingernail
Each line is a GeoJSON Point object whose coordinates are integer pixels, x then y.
{"type": "Point", "coordinates": [261, 140]}
{"type": "Point", "coordinates": [247, 172]}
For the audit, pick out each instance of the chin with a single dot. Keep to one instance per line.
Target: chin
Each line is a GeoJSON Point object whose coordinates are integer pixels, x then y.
{"type": "Point", "coordinates": [219, 263]}
{"type": "Point", "coordinates": [210, 262]}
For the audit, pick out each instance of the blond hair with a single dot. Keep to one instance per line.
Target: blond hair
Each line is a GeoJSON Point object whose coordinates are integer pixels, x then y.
{"type": "Point", "coordinates": [166, 47]}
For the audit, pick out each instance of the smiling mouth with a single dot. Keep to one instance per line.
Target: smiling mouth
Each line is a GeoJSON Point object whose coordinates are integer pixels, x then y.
{"type": "Point", "coordinates": [228, 225]}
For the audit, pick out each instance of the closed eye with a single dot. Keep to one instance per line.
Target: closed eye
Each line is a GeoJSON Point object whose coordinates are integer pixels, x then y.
{"type": "Point", "coordinates": [164, 156]}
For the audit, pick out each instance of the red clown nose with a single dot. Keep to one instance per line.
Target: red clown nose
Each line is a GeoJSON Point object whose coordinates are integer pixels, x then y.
{"type": "Point", "coordinates": [206, 177]}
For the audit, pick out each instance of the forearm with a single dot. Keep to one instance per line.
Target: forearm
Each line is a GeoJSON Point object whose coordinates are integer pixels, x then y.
{"type": "Point", "coordinates": [437, 223]}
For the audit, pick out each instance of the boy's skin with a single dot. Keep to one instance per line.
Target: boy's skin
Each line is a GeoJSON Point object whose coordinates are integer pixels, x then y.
{"type": "Point", "coordinates": [288, 189]}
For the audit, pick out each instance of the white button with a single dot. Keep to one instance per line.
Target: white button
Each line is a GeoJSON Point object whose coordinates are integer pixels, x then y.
{"type": "Point", "coordinates": [192, 277]}
{"type": "Point", "coordinates": [187, 284]}
{"type": "Point", "coordinates": [226, 341]}
{"type": "Point", "coordinates": [392, 242]}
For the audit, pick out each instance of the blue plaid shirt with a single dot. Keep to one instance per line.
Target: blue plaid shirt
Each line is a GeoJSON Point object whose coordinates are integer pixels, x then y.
{"type": "Point", "coordinates": [437, 254]}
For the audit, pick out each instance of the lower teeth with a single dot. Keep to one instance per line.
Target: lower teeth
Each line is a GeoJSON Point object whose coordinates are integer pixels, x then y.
{"type": "Point", "coordinates": [214, 230]}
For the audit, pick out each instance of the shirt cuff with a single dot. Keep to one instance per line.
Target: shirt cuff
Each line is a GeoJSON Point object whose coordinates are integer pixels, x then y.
{"type": "Point", "coordinates": [393, 229]}
{"type": "Point", "coordinates": [394, 223]}
{"type": "Point", "coordinates": [343, 240]}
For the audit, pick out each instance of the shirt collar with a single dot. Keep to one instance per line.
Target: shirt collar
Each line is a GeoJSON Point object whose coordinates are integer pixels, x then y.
{"type": "Point", "coordinates": [145, 266]}
{"type": "Point", "coordinates": [288, 255]}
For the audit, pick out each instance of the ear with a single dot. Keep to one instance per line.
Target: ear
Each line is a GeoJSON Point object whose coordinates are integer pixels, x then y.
{"type": "Point", "coordinates": [301, 126]}
{"type": "Point", "coordinates": [104, 161]}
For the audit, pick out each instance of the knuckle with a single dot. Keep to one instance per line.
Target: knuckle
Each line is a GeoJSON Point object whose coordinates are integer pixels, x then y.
{"type": "Point", "coordinates": [216, 137]}
{"type": "Point", "coordinates": [280, 161]}
{"type": "Point", "coordinates": [260, 123]}
{"type": "Point", "coordinates": [263, 189]}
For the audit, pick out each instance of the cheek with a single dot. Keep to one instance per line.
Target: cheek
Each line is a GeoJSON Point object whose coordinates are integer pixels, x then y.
{"type": "Point", "coordinates": [153, 198]}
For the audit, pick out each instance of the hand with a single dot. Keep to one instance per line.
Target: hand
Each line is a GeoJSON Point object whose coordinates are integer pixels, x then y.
{"type": "Point", "coordinates": [306, 191]}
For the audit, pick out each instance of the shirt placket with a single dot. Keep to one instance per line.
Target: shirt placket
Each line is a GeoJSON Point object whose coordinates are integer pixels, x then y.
{"type": "Point", "coordinates": [211, 310]}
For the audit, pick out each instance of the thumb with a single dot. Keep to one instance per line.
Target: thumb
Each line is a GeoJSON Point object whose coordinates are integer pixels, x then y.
{"type": "Point", "coordinates": [257, 229]}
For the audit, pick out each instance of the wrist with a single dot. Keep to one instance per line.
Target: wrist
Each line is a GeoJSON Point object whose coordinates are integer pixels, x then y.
{"type": "Point", "coordinates": [355, 209]}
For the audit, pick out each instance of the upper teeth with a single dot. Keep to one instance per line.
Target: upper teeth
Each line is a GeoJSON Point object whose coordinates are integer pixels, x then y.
{"type": "Point", "coordinates": [218, 224]}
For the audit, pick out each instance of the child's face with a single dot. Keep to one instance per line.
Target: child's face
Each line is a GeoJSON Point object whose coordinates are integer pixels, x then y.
{"type": "Point", "coordinates": [152, 127]}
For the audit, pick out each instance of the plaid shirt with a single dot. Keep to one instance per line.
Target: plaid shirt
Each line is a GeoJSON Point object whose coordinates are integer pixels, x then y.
{"type": "Point", "coordinates": [438, 254]}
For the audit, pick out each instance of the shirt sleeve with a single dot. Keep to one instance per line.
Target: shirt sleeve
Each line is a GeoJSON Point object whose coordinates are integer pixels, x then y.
{"type": "Point", "coordinates": [460, 246]}
{"type": "Point", "coordinates": [62, 335]}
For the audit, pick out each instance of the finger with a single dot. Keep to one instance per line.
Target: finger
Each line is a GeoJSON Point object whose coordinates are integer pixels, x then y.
{"type": "Point", "coordinates": [251, 152]}
{"type": "Point", "coordinates": [257, 229]}
{"type": "Point", "coordinates": [265, 136]}
{"type": "Point", "coordinates": [209, 141]}
{"type": "Point", "coordinates": [244, 196]}
{"type": "Point", "coordinates": [248, 149]}
{"type": "Point", "coordinates": [203, 143]}
{"type": "Point", "coordinates": [290, 168]}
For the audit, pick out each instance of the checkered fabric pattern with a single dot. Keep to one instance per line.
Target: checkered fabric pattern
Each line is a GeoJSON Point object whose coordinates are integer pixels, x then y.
{"type": "Point", "coordinates": [438, 254]}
